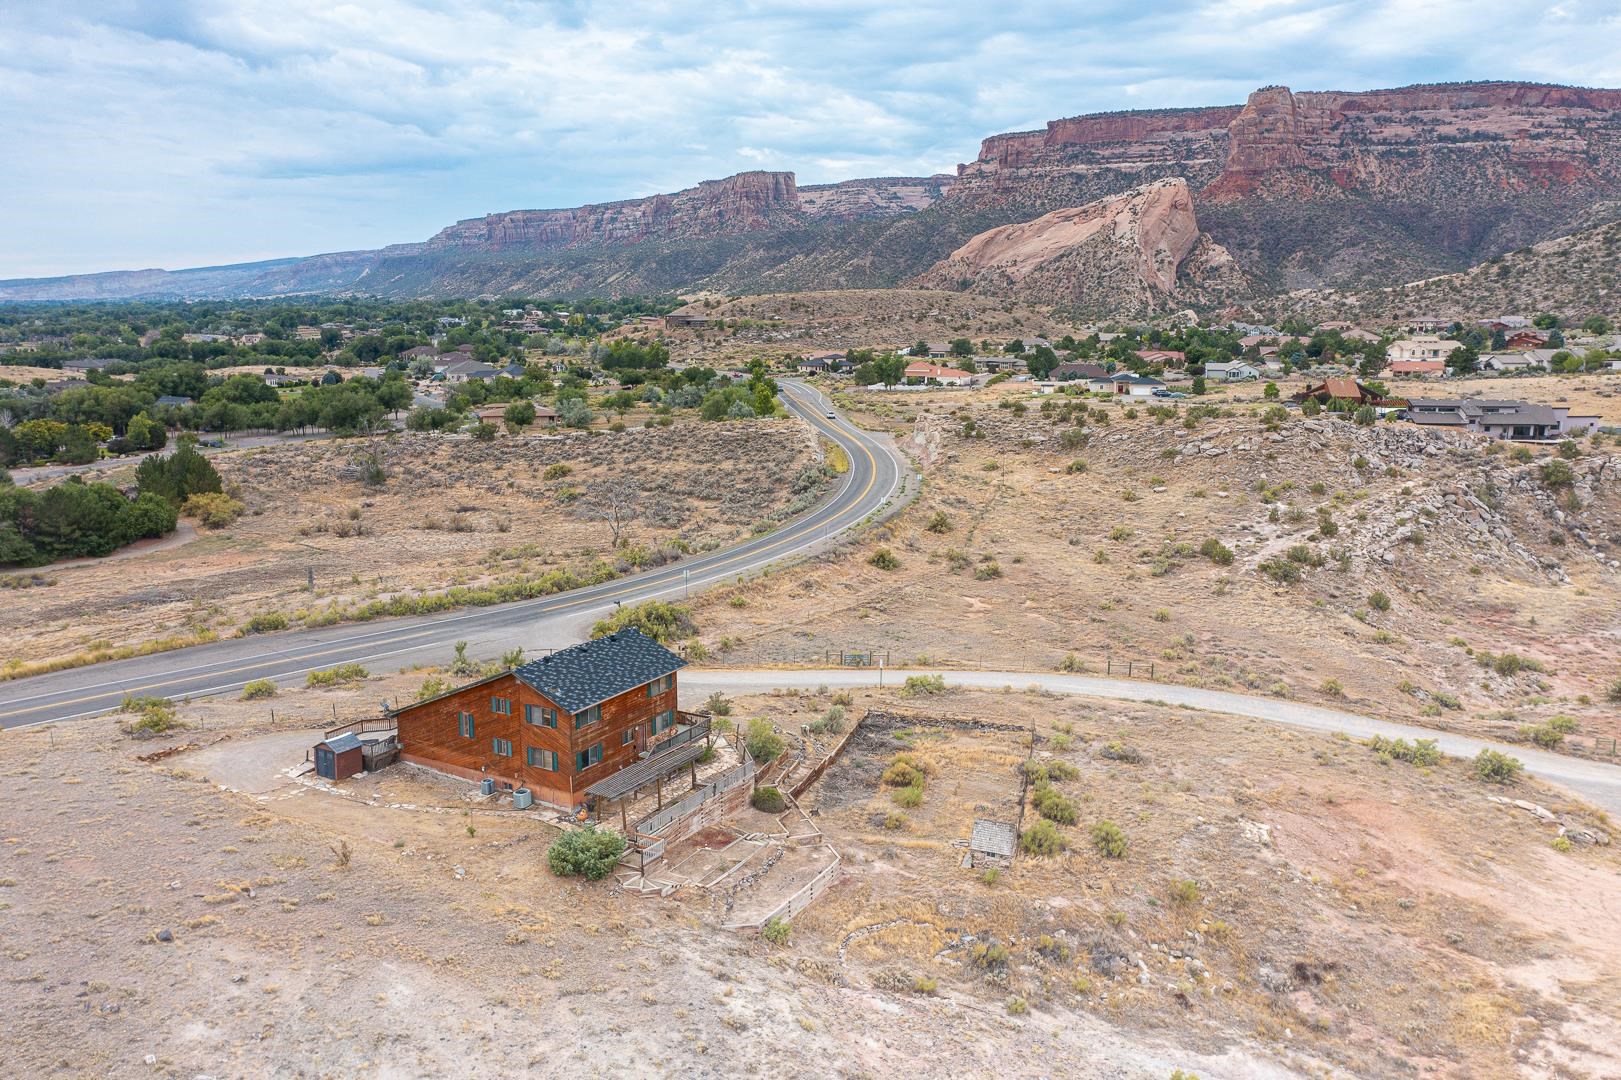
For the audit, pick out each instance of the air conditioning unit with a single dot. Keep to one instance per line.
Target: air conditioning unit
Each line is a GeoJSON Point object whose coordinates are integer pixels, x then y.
{"type": "Point", "coordinates": [487, 786]}
{"type": "Point", "coordinates": [522, 800]}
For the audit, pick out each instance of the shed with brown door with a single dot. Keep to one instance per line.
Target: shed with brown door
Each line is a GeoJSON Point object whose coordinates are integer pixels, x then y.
{"type": "Point", "coordinates": [339, 757]}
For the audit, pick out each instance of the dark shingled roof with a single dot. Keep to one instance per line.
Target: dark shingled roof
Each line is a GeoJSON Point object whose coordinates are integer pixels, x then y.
{"type": "Point", "coordinates": [594, 671]}
{"type": "Point", "coordinates": [347, 741]}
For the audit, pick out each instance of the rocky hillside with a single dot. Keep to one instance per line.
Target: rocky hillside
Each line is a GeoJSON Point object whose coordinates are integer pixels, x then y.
{"type": "Point", "coordinates": [1305, 190]}
{"type": "Point", "coordinates": [1135, 252]}
{"type": "Point", "coordinates": [1575, 275]}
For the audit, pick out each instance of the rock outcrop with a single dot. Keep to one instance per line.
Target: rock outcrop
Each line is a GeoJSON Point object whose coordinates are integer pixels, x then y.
{"type": "Point", "coordinates": [1124, 253]}
{"type": "Point", "coordinates": [740, 203]}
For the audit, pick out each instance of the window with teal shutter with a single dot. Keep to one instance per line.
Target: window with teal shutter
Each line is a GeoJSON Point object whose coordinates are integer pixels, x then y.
{"type": "Point", "coordinates": [588, 716]}
{"type": "Point", "coordinates": [464, 722]}
{"type": "Point", "coordinates": [587, 758]}
{"type": "Point", "coordinates": [543, 759]}
{"type": "Point", "coordinates": [540, 715]}
{"type": "Point", "coordinates": [502, 747]}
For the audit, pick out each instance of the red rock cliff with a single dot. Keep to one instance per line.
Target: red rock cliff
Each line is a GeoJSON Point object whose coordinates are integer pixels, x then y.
{"type": "Point", "coordinates": [1534, 135]}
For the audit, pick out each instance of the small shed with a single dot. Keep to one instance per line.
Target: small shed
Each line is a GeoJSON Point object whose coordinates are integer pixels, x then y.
{"type": "Point", "coordinates": [992, 842]}
{"type": "Point", "coordinates": [340, 757]}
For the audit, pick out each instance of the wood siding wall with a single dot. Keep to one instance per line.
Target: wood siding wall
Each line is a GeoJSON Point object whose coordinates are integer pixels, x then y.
{"type": "Point", "coordinates": [430, 734]}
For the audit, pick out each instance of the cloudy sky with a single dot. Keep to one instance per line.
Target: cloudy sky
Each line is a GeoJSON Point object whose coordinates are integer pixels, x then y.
{"type": "Point", "coordinates": [187, 133]}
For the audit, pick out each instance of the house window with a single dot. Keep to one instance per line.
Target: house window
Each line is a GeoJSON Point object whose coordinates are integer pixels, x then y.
{"type": "Point", "coordinates": [664, 721]}
{"type": "Point", "coordinates": [502, 747]}
{"type": "Point", "coordinates": [464, 722]}
{"type": "Point", "coordinates": [587, 758]}
{"type": "Point", "coordinates": [658, 686]}
{"type": "Point", "coordinates": [588, 716]}
{"type": "Point", "coordinates": [501, 706]}
{"type": "Point", "coordinates": [542, 759]}
{"type": "Point", "coordinates": [540, 715]}
{"type": "Point", "coordinates": [629, 735]}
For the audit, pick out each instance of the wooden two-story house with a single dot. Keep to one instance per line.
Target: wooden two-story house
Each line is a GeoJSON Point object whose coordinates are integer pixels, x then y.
{"type": "Point", "coordinates": [555, 725]}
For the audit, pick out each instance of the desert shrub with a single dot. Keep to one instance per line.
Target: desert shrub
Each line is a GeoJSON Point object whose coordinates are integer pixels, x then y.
{"type": "Point", "coordinates": [1071, 663]}
{"type": "Point", "coordinates": [586, 852]}
{"type": "Point", "coordinates": [661, 621]}
{"type": "Point", "coordinates": [1076, 466]}
{"type": "Point", "coordinates": [717, 705]}
{"type": "Point", "coordinates": [1551, 735]}
{"type": "Point", "coordinates": [556, 472]}
{"type": "Point", "coordinates": [1378, 601]}
{"type": "Point", "coordinates": [939, 523]}
{"type": "Point", "coordinates": [213, 509]}
{"type": "Point", "coordinates": [884, 559]}
{"type": "Point", "coordinates": [1053, 805]}
{"type": "Point", "coordinates": [149, 716]}
{"type": "Point", "coordinates": [1109, 840]}
{"type": "Point", "coordinates": [1115, 750]}
{"type": "Point", "coordinates": [1184, 893]}
{"type": "Point", "coordinates": [264, 623]}
{"type": "Point", "coordinates": [258, 688]}
{"type": "Point", "coordinates": [917, 685]}
{"type": "Point", "coordinates": [1612, 693]}
{"type": "Point", "coordinates": [924, 984]}
{"type": "Point", "coordinates": [776, 931]}
{"type": "Point", "coordinates": [833, 719]}
{"type": "Point", "coordinates": [1058, 770]}
{"type": "Point", "coordinates": [770, 800]}
{"type": "Point", "coordinates": [1043, 838]}
{"type": "Point", "coordinates": [1557, 473]}
{"type": "Point", "coordinates": [343, 673]}
{"type": "Point", "coordinates": [1017, 1006]}
{"type": "Point", "coordinates": [432, 687]}
{"type": "Point", "coordinates": [1508, 664]}
{"type": "Point", "coordinates": [1217, 552]}
{"type": "Point", "coordinates": [1497, 768]}
{"type": "Point", "coordinates": [1418, 752]}
{"type": "Point", "coordinates": [909, 797]}
{"type": "Point", "coordinates": [1332, 688]}
{"type": "Point", "coordinates": [763, 743]}
{"type": "Point", "coordinates": [1281, 571]}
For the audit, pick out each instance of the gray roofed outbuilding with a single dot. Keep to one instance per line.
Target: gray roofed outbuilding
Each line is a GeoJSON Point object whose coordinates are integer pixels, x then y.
{"type": "Point", "coordinates": [993, 837]}
{"type": "Point", "coordinates": [347, 741]}
{"type": "Point", "coordinates": [594, 671]}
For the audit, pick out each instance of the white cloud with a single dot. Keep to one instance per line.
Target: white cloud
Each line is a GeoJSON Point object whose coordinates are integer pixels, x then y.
{"type": "Point", "coordinates": [150, 133]}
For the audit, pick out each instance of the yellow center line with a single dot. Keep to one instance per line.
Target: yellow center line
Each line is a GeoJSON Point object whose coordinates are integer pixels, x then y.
{"type": "Point", "coordinates": [872, 478]}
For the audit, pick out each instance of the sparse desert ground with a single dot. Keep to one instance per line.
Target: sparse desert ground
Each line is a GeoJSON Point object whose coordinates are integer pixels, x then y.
{"type": "Point", "coordinates": [450, 511]}
{"type": "Point", "coordinates": [1422, 558]}
{"type": "Point", "coordinates": [22, 373]}
{"type": "Point", "coordinates": [1288, 905]}
{"type": "Point", "coordinates": [793, 324]}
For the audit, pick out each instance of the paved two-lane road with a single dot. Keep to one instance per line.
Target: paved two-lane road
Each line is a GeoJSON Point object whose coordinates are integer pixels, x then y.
{"type": "Point", "coordinates": [877, 482]}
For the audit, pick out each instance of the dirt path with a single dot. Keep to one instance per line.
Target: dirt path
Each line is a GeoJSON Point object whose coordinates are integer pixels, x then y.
{"type": "Point", "coordinates": [1595, 781]}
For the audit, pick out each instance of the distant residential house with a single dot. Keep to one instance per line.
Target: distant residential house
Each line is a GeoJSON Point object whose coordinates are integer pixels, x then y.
{"type": "Point", "coordinates": [1249, 340]}
{"type": "Point", "coordinates": [250, 339]}
{"type": "Point", "coordinates": [171, 399]}
{"type": "Point", "coordinates": [1163, 357]}
{"type": "Point", "coordinates": [934, 373]}
{"type": "Point", "coordinates": [1429, 324]}
{"type": "Point", "coordinates": [460, 371]}
{"type": "Point", "coordinates": [1529, 360]}
{"type": "Point", "coordinates": [200, 339]}
{"type": "Point", "coordinates": [1518, 421]}
{"type": "Point", "coordinates": [419, 352]}
{"type": "Point", "coordinates": [307, 333]}
{"type": "Point", "coordinates": [278, 380]}
{"type": "Point", "coordinates": [1125, 384]}
{"type": "Point", "coordinates": [1526, 339]}
{"type": "Point", "coordinates": [1418, 368]}
{"type": "Point", "coordinates": [515, 370]}
{"type": "Point", "coordinates": [1231, 371]}
{"type": "Point", "coordinates": [812, 365]}
{"type": "Point", "coordinates": [1074, 370]}
{"type": "Point", "coordinates": [1347, 390]}
{"type": "Point", "coordinates": [1421, 347]}
{"type": "Point", "coordinates": [686, 321]}
{"type": "Point", "coordinates": [1358, 334]}
{"type": "Point", "coordinates": [89, 364]}
{"type": "Point", "coordinates": [1505, 322]}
